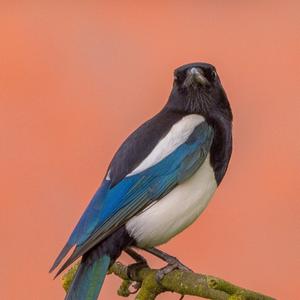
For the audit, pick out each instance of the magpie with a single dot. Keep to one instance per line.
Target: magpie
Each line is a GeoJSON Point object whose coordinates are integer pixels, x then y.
{"type": "Point", "coordinates": [158, 182]}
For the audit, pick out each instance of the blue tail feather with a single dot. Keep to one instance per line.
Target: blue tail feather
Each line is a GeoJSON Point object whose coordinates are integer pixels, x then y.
{"type": "Point", "coordinates": [89, 279]}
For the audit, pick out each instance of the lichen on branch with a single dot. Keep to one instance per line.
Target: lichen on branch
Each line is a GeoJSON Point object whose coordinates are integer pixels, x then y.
{"type": "Point", "coordinates": [178, 281]}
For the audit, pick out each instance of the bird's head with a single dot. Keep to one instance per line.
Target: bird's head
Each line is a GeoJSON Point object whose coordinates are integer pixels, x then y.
{"type": "Point", "coordinates": [197, 89]}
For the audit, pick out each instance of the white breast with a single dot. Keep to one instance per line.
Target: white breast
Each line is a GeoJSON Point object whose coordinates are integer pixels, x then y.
{"type": "Point", "coordinates": [170, 215]}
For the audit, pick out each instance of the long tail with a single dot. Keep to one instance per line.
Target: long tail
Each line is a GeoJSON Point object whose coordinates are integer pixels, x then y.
{"type": "Point", "coordinates": [89, 279]}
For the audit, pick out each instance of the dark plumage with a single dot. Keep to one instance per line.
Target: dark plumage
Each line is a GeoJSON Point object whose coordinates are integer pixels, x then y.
{"type": "Point", "coordinates": [164, 153]}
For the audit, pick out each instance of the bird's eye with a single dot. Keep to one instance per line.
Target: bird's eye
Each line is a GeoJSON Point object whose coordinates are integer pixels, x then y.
{"type": "Point", "coordinates": [213, 75]}
{"type": "Point", "coordinates": [175, 77]}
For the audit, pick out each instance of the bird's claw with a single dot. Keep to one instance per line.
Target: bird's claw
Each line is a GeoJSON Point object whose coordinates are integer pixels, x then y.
{"type": "Point", "coordinates": [173, 264]}
{"type": "Point", "coordinates": [133, 268]}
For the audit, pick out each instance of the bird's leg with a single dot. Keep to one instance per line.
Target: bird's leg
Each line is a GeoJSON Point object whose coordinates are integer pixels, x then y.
{"type": "Point", "coordinates": [173, 263]}
{"type": "Point", "coordinates": [131, 269]}
{"type": "Point", "coordinates": [171, 260]}
{"type": "Point", "coordinates": [136, 256]}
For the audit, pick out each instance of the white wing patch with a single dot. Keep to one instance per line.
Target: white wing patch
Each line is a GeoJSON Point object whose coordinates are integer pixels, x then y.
{"type": "Point", "coordinates": [177, 135]}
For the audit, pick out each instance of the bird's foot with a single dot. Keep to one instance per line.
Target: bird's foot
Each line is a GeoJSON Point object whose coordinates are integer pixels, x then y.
{"type": "Point", "coordinates": [173, 264]}
{"type": "Point", "coordinates": [134, 268]}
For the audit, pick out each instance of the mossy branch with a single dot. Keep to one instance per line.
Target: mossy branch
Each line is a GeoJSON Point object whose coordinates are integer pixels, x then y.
{"type": "Point", "coordinates": [181, 282]}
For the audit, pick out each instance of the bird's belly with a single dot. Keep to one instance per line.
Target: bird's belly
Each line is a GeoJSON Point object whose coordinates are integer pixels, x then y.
{"type": "Point", "coordinates": [173, 213]}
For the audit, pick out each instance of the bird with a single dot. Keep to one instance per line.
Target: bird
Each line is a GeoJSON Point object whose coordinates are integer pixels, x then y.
{"type": "Point", "coordinates": [158, 182]}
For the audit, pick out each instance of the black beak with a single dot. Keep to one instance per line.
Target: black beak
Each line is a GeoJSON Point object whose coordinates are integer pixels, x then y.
{"type": "Point", "coordinates": [195, 77]}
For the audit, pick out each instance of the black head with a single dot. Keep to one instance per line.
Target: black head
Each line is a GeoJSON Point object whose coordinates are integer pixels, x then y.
{"type": "Point", "coordinates": [197, 89]}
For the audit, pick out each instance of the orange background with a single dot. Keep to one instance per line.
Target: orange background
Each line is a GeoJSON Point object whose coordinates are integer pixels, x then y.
{"type": "Point", "coordinates": [76, 79]}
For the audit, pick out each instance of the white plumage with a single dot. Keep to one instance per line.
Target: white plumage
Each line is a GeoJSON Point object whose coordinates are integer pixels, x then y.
{"type": "Point", "coordinates": [177, 135]}
{"type": "Point", "coordinates": [177, 210]}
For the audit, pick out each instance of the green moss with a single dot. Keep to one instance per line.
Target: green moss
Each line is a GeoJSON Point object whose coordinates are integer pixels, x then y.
{"type": "Point", "coordinates": [68, 277]}
{"type": "Point", "coordinates": [123, 290]}
{"type": "Point", "coordinates": [181, 282]}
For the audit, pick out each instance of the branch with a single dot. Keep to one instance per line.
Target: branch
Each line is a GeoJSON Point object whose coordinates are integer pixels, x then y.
{"type": "Point", "coordinates": [181, 282]}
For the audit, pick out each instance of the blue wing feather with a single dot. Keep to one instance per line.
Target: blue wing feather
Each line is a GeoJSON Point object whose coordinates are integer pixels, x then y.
{"type": "Point", "coordinates": [113, 206]}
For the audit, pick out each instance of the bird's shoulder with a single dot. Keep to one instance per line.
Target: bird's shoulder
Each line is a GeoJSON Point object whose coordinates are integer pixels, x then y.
{"type": "Point", "coordinates": [140, 143]}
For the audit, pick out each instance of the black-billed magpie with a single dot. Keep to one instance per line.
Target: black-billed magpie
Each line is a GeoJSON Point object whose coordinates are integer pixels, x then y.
{"type": "Point", "coordinates": [158, 182]}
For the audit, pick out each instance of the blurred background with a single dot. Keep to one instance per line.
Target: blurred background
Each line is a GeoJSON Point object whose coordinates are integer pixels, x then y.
{"type": "Point", "coordinates": [76, 78]}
